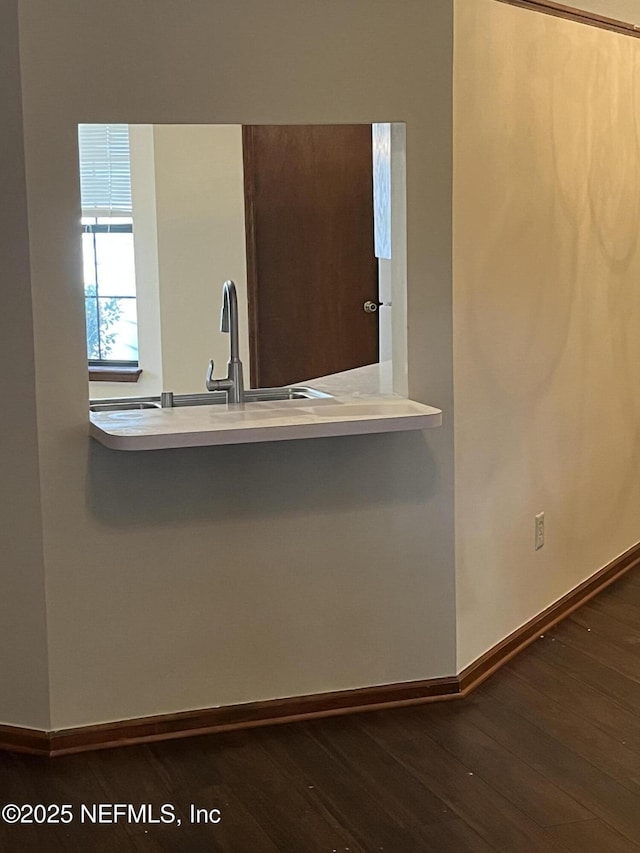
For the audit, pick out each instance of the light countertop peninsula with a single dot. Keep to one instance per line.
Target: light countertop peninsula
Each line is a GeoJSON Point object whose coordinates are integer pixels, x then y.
{"type": "Point", "coordinates": [362, 402]}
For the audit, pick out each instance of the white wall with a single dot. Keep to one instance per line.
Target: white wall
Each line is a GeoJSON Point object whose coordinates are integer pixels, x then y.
{"type": "Point", "coordinates": [24, 690]}
{"type": "Point", "coordinates": [197, 578]}
{"type": "Point", "coordinates": [390, 217]}
{"type": "Point", "coordinates": [396, 270]}
{"type": "Point", "coordinates": [201, 244]}
{"type": "Point", "coordinates": [546, 310]}
{"type": "Point", "coordinates": [148, 302]}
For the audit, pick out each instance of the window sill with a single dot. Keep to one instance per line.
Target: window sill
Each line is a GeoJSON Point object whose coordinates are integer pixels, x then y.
{"type": "Point", "coordinates": [114, 374]}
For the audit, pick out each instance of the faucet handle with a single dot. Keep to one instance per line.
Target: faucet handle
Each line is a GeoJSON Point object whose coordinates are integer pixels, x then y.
{"type": "Point", "coordinates": [210, 370]}
{"type": "Point", "coordinates": [217, 384]}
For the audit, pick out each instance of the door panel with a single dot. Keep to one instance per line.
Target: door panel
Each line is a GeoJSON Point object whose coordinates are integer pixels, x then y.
{"type": "Point", "coordinates": [310, 256]}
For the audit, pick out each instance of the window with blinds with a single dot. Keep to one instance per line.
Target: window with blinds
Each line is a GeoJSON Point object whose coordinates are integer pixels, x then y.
{"type": "Point", "coordinates": [107, 244]}
{"type": "Point", "coordinates": [105, 169]}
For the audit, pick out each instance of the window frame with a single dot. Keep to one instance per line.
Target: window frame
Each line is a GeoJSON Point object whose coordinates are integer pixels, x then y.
{"type": "Point", "coordinates": [96, 365]}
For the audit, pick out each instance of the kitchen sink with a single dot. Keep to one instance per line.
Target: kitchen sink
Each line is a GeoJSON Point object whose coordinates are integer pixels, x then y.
{"type": "Point", "coordinates": [122, 405]}
{"type": "Point", "coordinates": [208, 398]}
{"type": "Point", "coordinates": [251, 395]}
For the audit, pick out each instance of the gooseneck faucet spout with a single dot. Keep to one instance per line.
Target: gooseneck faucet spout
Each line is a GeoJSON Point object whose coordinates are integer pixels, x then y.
{"type": "Point", "coordinates": [229, 317]}
{"type": "Point", "coordinates": [233, 383]}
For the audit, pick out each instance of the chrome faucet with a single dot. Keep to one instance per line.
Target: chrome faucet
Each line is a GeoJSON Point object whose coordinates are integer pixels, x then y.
{"type": "Point", "coordinates": [233, 383]}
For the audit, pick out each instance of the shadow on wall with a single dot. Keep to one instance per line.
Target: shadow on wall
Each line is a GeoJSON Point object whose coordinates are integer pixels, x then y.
{"type": "Point", "coordinates": [291, 478]}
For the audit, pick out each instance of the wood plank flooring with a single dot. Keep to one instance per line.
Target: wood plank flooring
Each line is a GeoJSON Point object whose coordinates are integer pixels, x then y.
{"type": "Point", "coordinates": [545, 756]}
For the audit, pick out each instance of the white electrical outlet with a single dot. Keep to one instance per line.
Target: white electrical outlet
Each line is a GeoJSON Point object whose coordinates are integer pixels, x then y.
{"type": "Point", "coordinates": [539, 530]}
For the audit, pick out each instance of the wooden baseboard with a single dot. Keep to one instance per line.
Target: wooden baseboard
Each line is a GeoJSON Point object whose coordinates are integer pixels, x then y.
{"type": "Point", "coordinates": [30, 741]}
{"type": "Point", "coordinates": [229, 718]}
{"type": "Point", "coordinates": [272, 712]}
{"type": "Point", "coordinates": [477, 672]}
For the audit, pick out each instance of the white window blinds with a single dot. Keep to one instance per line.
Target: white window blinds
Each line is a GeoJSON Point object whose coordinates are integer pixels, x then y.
{"type": "Point", "coordinates": [105, 172]}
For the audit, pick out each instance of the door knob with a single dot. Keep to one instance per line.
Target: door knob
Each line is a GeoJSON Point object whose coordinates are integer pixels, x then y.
{"type": "Point", "coordinates": [371, 307]}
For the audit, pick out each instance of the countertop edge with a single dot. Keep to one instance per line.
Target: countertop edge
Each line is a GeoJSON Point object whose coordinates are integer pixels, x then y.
{"type": "Point", "coordinates": [256, 434]}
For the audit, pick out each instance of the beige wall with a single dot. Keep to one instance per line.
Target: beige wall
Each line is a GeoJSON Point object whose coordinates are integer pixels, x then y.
{"type": "Point", "coordinates": [622, 10]}
{"type": "Point", "coordinates": [24, 692]}
{"type": "Point", "coordinates": [201, 244]}
{"type": "Point", "coordinates": [186, 579]}
{"type": "Point", "coordinates": [148, 303]}
{"type": "Point", "coordinates": [546, 310]}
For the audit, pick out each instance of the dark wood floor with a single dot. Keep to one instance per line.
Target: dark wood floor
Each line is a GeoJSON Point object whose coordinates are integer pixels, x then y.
{"type": "Point", "coordinates": [544, 757]}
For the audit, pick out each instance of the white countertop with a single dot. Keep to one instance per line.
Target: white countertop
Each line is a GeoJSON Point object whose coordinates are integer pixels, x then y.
{"type": "Point", "coordinates": [362, 403]}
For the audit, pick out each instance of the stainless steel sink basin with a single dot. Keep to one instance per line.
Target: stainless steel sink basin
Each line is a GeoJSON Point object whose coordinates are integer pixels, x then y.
{"type": "Point", "coordinates": [255, 395]}
{"type": "Point", "coordinates": [121, 405]}
{"type": "Point", "coordinates": [251, 395]}
{"type": "Point", "coordinates": [208, 398]}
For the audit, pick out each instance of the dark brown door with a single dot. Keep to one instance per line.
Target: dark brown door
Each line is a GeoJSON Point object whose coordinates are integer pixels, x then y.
{"type": "Point", "coordinates": [310, 257]}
